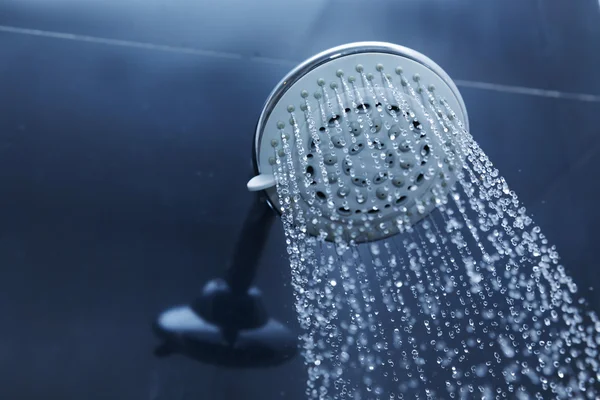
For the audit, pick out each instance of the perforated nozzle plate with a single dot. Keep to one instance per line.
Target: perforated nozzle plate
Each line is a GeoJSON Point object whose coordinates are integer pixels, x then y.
{"type": "Point", "coordinates": [365, 160]}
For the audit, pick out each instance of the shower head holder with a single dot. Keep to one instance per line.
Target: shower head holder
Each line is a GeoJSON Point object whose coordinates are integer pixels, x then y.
{"type": "Point", "coordinates": [228, 324]}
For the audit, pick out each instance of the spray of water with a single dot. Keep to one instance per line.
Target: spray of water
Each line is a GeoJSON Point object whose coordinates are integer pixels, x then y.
{"type": "Point", "coordinates": [469, 302]}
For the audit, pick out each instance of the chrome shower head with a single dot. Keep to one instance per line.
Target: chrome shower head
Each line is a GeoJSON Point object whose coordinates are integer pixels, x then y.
{"type": "Point", "coordinates": [346, 133]}
{"type": "Point", "coordinates": [344, 148]}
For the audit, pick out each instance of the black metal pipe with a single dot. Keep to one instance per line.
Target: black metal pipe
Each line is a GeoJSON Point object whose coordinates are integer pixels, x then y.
{"type": "Point", "coordinates": [249, 247]}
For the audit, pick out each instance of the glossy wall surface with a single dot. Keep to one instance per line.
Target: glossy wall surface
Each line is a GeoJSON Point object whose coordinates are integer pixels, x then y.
{"type": "Point", "coordinates": [125, 136]}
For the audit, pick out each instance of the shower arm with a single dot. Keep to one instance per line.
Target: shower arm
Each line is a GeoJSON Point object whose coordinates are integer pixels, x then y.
{"type": "Point", "coordinates": [250, 245]}
{"type": "Point", "coordinates": [228, 324]}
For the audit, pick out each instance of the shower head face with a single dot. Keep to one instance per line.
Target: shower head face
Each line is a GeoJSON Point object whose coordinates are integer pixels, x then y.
{"type": "Point", "coordinates": [346, 136]}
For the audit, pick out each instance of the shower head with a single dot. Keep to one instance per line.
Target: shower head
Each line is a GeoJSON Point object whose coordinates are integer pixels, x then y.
{"type": "Point", "coordinates": [345, 136]}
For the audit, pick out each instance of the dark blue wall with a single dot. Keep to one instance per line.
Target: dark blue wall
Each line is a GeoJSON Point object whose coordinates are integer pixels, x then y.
{"type": "Point", "coordinates": [125, 134]}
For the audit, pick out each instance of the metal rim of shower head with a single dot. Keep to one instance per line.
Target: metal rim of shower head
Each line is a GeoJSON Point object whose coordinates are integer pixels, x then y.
{"type": "Point", "coordinates": [263, 180]}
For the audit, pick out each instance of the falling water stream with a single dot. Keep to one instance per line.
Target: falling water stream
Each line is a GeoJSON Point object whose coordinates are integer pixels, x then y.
{"type": "Point", "coordinates": [469, 302]}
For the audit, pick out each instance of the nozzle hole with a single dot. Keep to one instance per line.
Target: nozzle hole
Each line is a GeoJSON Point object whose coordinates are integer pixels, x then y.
{"type": "Point", "coordinates": [320, 195]}
{"type": "Point", "coordinates": [401, 199]}
{"type": "Point", "coordinates": [363, 108]}
{"type": "Point", "coordinates": [344, 211]}
{"type": "Point", "coordinates": [393, 108]}
{"type": "Point", "coordinates": [310, 170]}
{"type": "Point", "coordinates": [334, 119]}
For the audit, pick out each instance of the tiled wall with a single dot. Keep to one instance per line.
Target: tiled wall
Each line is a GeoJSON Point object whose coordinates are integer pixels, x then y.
{"type": "Point", "coordinates": [125, 134]}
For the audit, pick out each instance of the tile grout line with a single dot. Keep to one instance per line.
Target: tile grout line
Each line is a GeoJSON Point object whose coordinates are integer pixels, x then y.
{"type": "Point", "coordinates": [555, 94]}
{"type": "Point", "coordinates": [269, 60]}
{"type": "Point", "coordinates": [118, 42]}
